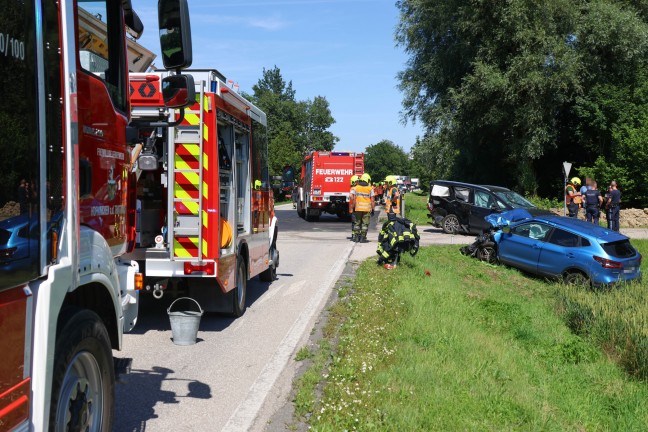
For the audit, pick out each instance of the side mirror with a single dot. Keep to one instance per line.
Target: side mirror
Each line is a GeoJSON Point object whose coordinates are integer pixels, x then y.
{"type": "Point", "coordinates": [133, 22]}
{"type": "Point", "coordinates": [175, 33]}
{"type": "Point", "coordinates": [506, 229]}
{"type": "Point", "coordinates": [178, 91]}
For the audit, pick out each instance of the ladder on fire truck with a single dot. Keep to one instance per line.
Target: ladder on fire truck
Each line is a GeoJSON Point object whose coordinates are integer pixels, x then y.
{"type": "Point", "coordinates": [186, 174]}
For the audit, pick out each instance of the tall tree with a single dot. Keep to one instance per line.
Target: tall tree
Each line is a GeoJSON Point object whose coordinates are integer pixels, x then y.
{"type": "Point", "coordinates": [386, 158]}
{"type": "Point", "coordinates": [295, 127]}
{"type": "Point", "coordinates": [516, 87]}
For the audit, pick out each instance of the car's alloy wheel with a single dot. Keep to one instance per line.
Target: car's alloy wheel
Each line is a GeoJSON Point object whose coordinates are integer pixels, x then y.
{"type": "Point", "coordinates": [576, 278]}
{"type": "Point", "coordinates": [450, 224]}
{"type": "Point", "coordinates": [487, 253]}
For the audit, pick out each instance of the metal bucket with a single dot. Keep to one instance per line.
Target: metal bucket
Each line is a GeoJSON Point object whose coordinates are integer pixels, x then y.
{"type": "Point", "coordinates": [184, 324]}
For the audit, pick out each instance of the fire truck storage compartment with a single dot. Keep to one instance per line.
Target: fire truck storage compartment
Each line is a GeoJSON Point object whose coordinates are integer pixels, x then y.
{"type": "Point", "coordinates": [243, 197]}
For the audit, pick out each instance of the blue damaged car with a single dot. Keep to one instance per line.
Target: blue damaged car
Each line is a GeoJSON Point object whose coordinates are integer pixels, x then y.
{"type": "Point", "coordinates": [564, 248]}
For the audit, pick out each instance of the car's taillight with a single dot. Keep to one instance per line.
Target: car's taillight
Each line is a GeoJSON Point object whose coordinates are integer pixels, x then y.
{"type": "Point", "coordinates": [606, 263]}
{"type": "Point", "coordinates": [6, 253]}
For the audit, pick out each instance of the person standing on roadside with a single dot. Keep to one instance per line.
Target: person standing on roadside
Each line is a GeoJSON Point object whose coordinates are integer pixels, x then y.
{"type": "Point", "coordinates": [592, 201]}
{"type": "Point", "coordinates": [614, 204]}
{"type": "Point", "coordinates": [392, 196]}
{"type": "Point", "coordinates": [606, 206]}
{"type": "Point", "coordinates": [573, 197]}
{"type": "Point", "coordinates": [354, 181]}
{"type": "Point", "coordinates": [362, 206]}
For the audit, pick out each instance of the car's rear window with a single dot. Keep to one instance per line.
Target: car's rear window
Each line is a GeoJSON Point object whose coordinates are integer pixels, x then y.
{"type": "Point", "coordinates": [440, 191]}
{"type": "Point", "coordinates": [4, 236]}
{"type": "Point", "coordinates": [619, 249]}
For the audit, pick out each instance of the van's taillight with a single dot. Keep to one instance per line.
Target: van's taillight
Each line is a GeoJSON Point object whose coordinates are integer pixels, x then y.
{"type": "Point", "coordinates": [606, 263]}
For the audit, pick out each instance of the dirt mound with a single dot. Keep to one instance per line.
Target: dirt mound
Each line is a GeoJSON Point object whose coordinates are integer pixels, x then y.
{"type": "Point", "coordinates": [628, 218]}
{"type": "Point", "coordinates": [10, 209]}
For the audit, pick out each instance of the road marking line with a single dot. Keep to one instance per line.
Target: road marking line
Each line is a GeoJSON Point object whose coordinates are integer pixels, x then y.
{"type": "Point", "coordinates": [243, 417]}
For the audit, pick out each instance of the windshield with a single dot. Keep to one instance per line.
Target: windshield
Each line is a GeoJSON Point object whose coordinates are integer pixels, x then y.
{"type": "Point", "coordinates": [514, 200]}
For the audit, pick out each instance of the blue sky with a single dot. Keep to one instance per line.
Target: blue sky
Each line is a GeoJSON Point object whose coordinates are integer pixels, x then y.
{"type": "Point", "coordinates": [343, 50]}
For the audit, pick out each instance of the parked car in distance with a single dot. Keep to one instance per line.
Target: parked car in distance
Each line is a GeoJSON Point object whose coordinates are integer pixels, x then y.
{"type": "Point", "coordinates": [565, 248]}
{"type": "Point", "coordinates": [459, 207]}
{"type": "Point", "coordinates": [19, 247]}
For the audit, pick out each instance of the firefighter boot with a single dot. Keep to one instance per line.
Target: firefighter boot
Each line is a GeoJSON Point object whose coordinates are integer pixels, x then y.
{"type": "Point", "coordinates": [356, 237]}
{"type": "Point", "coordinates": [363, 238]}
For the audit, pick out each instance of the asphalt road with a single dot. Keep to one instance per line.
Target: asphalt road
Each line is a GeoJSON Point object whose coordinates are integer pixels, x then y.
{"type": "Point", "coordinates": [239, 370]}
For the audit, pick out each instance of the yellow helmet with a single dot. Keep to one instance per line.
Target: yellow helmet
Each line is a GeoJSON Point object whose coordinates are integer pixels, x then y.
{"type": "Point", "coordinates": [257, 184]}
{"type": "Point", "coordinates": [390, 179]}
{"type": "Point", "coordinates": [354, 178]}
{"type": "Point", "coordinates": [575, 180]}
{"type": "Point", "coordinates": [365, 178]}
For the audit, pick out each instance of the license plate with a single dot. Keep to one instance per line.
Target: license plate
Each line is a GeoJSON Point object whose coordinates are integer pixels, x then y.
{"type": "Point", "coordinates": [629, 270]}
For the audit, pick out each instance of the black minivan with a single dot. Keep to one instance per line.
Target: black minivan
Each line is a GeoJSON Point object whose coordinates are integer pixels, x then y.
{"type": "Point", "coordinates": [459, 207]}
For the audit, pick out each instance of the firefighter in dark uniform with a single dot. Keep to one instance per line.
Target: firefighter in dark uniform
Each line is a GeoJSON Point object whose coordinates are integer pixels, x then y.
{"type": "Point", "coordinates": [593, 201]}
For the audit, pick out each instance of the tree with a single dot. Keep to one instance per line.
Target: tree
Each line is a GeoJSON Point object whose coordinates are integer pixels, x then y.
{"type": "Point", "coordinates": [514, 88]}
{"type": "Point", "coordinates": [317, 121]}
{"type": "Point", "coordinates": [431, 158]}
{"type": "Point", "coordinates": [294, 127]}
{"type": "Point", "coordinates": [386, 158]}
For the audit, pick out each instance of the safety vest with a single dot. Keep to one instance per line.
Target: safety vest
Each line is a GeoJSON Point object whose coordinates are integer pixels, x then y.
{"type": "Point", "coordinates": [362, 194]}
{"type": "Point", "coordinates": [572, 199]}
{"type": "Point", "coordinates": [392, 196]}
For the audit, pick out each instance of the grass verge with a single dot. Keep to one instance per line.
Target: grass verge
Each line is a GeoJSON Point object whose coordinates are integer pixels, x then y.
{"type": "Point", "coordinates": [416, 207]}
{"type": "Point", "coordinates": [445, 342]}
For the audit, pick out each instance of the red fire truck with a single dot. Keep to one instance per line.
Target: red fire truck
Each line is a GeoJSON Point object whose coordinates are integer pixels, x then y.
{"type": "Point", "coordinates": [67, 211]}
{"type": "Point", "coordinates": [206, 206]}
{"type": "Point", "coordinates": [326, 182]}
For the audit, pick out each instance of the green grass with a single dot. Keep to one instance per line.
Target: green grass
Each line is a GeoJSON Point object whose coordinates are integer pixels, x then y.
{"type": "Point", "coordinates": [445, 342]}
{"type": "Point", "coordinates": [416, 207]}
{"type": "Point", "coordinates": [616, 319]}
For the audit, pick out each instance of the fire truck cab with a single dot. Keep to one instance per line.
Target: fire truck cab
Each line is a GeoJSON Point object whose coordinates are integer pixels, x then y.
{"type": "Point", "coordinates": [326, 183]}
{"type": "Point", "coordinates": [207, 221]}
{"type": "Point", "coordinates": [67, 213]}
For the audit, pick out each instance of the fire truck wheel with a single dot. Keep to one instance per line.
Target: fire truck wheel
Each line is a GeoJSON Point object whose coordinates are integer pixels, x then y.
{"type": "Point", "coordinates": [83, 392]}
{"type": "Point", "coordinates": [240, 290]}
{"type": "Point", "coordinates": [301, 213]}
{"type": "Point", "coordinates": [312, 215]}
{"type": "Point", "coordinates": [271, 273]}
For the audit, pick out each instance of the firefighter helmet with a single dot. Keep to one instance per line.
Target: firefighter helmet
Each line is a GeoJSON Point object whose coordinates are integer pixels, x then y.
{"type": "Point", "coordinates": [257, 184]}
{"type": "Point", "coordinates": [354, 179]}
{"type": "Point", "coordinates": [365, 178]}
{"type": "Point", "coordinates": [576, 181]}
{"type": "Point", "coordinates": [390, 179]}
